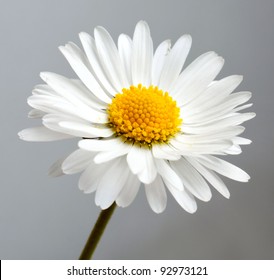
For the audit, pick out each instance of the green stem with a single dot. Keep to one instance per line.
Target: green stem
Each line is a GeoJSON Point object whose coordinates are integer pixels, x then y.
{"type": "Point", "coordinates": [97, 232]}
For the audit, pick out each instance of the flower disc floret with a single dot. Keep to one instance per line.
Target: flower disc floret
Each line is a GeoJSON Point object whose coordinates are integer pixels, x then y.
{"type": "Point", "coordinates": [144, 115]}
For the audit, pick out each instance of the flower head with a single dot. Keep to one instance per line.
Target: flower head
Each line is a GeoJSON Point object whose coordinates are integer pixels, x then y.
{"type": "Point", "coordinates": [142, 119]}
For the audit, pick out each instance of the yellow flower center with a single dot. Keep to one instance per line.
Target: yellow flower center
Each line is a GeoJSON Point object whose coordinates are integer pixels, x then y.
{"type": "Point", "coordinates": [144, 115]}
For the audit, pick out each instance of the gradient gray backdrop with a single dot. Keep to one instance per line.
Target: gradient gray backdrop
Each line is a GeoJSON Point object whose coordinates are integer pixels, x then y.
{"type": "Point", "coordinates": [45, 218]}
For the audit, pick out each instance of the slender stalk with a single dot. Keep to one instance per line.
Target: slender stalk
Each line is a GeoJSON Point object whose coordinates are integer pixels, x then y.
{"type": "Point", "coordinates": [97, 232]}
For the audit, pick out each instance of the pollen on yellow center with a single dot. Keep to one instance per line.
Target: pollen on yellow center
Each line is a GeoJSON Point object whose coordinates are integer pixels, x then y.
{"type": "Point", "coordinates": [144, 115]}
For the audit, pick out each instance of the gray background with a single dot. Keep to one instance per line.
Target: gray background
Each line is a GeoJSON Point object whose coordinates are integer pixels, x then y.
{"type": "Point", "coordinates": [45, 218]}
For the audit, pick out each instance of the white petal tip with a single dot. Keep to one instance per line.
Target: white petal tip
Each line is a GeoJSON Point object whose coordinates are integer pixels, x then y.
{"type": "Point", "coordinates": [55, 171]}
{"type": "Point", "coordinates": [227, 196]}
{"type": "Point", "coordinates": [156, 211]}
{"type": "Point", "coordinates": [135, 172]}
{"type": "Point", "coordinates": [96, 203]}
{"type": "Point", "coordinates": [102, 206]}
{"type": "Point", "coordinates": [120, 205]}
{"type": "Point", "coordinates": [62, 49]}
{"type": "Point", "coordinates": [45, 76]}
{"type": "Point", "coordinates": [238, 78]}
{"type": "Point", "coordinates": [245, 178]}
{"type": "Point", "coordinates": [222, 60]}
{"type": "Point", "coordinates": [143, 25]}
{"type": "Point", "coordinates": [145, 179]}
{"type": "Point", "coordinates": [123, 35]}
{"type": "Point", "coordinates": [83, 34]}
{"type": "Point", "coordinates": [249, 94]}
{"type": "Point", "coordinates": [42, 75]}
{"type": "Point", "coordinates": [253, 115]}
{"type": "Point", "coordinates": [97, 160]}
{"type": "Point", "coordinates": [25, 135]}
{"type": "Point", "coordinates": [211, 53]}
{"type": "Point", "coordinates": [207, 197]}
{"type": "Point", "coordinates": [21, 134]}
{"type": "Point", "coordinates": [80, 187]}
{"type": "Point", "coordinates": [99, 29]}
{"type": "Point", "coordinates": [66, 170]}
{"type": "Point", "coordinates": [142, 22]}
{"type": "Point", "coordinates": [188, 37]}
{"type": "Point", "coordinates": [82, 144]}
{"type": "Point", "coordinates": [192, 211]}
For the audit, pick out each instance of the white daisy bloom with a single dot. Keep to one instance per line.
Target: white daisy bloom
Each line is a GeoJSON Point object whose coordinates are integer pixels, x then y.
{"type": "Point", "coordinates": [142, 118]}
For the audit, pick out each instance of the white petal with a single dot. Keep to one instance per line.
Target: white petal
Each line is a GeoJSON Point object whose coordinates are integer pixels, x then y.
{"type": "Point", "coordinates": [219, 110]}
{"type": "Point", "coordinates": [233, 150]}
{"type": "Point", "coordinates": [211, 177]}
{"type": "Point", "coordinates": [174, 62]}
{"type": "Point", "coordinates": [72, 91]}
{"type": "Point", "coordinates": [149, 173]}
{"type": "Point", "coordinates": [184, 198]}
{"type": "Point", "coordinates": [73, 126]}
{"type": "Point", "coordinates": [91, 51]}
{"type": "Point", "coordinates": [168, 174]}
{"type": "Point", "coordinates": [125, 52]}
{"type": "Point", "coordinates": [192, 70]}
{"type": "Point", "coordinates": [156, 195]}
{"type": "Point", "coordinates": [86, 130]}
{"type": "Point", "coordinates": [90, 99]}
{"type": "Point", "coordinates": [119, 151]}
{"type": "Point", "coordinates": [196, 77]}
{"type": "Point", "coordinates": [90, 178]}
{"type": "Point", "coordinates": [55, 169]}
{"type": "Point", "coordinates": [77, 161]}
{"type": "Point", "coordinates": [68, 90]}
{"type": "Point", "coordinates": [48, 104]}
{"type": "Point", "coordinates": [226, 133]}
{"type": "Point", "coordinates": [214, 126]}
{"type": "Point", "coordinates": [110, 58]}
{"type": "Point", "coordinates": [192, 180]}
{"type": "Point", "coordinates": [214, 94]}
{"type": "Point", "coordinates": [165, 152]}
{"type": "Point", "coordinates": [99, 145]}
{"type": "Point", "coordinates": [43, 89]}
{"type": "Point", "coordinates": [236, 99]}
{"type": "Point", "coordinates": [35, 114]}
{"type": "Point", "coordinates": [129, 192]}
{"type": "Point", "coordinates": [135, 159]}
{"type": "Point", "coordinates": [142, 54]}
{"type": "Point", "coordinates": [200, 148]}
{"type": "Point", "coordinates": [59, 105]}
{"type": "Point", "coordinates": [84, 74]}
{"type": "Point", "coordinates": [224, 168]}
{"type": "Point", "coordinates": [158, 61]}
{"type": "Point", "coordinates": [78, 52]}
{"type": "Point", "coordinates": [241, 141]}
{"type": "Point", "coordinates": [140, 162]}
{"type": "Point", "coordinates": [41, 134]}
{"type": "Point", "coordinates": [111, 183]}
{"type": "Point", "coordinates": [240, 108]}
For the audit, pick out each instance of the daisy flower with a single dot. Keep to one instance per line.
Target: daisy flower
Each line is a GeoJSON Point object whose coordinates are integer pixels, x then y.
{"type": "Point", "coordinates": [142, 119]}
